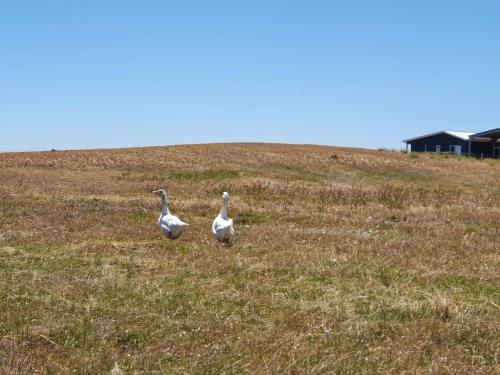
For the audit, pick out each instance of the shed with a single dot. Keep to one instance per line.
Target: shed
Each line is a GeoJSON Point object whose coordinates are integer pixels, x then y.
{"type": "Point", "coordinates": [491, 136]}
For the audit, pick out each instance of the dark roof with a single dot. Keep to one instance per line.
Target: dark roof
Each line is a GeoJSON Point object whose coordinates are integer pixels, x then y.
{"type": "Point", "coordinates": [493, 134]}
{"type": "Point", "coordinates": [464, 136]}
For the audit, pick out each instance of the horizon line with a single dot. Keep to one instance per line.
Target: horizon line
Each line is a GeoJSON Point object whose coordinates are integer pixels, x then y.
{"type": "Point", "coordinates": [193, 144]}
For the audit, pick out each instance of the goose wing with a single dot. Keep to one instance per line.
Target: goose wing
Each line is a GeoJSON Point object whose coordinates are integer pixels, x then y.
{"type": "Point", "coordinates": [172, 226]}
{"type": "Point", "coordinates": [219, 224]}
{"type": "Point", "coordinates": [222, 228]}
{"type": "Point", "coordinates": [172, 221]}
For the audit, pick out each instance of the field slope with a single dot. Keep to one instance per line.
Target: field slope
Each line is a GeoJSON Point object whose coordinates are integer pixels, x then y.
{"type": "Point", "coordinates": [345, 262]}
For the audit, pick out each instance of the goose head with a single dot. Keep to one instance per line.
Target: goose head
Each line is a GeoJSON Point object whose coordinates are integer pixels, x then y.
{"type": "Point", "coordinates": [225, 197]}
{"type": "Point", "coordinates": [162, 193]}
{"type": "Point", "coordinates": [164, 201]}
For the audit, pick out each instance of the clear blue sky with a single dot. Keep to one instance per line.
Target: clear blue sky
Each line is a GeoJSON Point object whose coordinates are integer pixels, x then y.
{"type": "Point", "coordinates": [367, 73]}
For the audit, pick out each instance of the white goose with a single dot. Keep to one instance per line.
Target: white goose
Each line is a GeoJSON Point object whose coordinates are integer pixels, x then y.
{"type": "Point", "coordinates": [222, 227]}
{"type": "Point", "coordinates": [169, 224]}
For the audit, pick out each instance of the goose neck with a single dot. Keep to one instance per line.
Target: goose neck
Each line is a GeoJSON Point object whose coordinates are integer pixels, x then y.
{"type": "Point", "coordinates": [164, 205]}
{"type": "Point", "coordinates": [223, 211]}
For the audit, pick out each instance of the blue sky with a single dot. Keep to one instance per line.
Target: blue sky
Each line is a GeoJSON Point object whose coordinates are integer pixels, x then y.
{"type": "Point", "coordinates": [349, 73]}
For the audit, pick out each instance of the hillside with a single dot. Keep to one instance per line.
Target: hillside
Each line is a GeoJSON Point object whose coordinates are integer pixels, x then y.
{"type": "Point", "coordinates": [345, 261]}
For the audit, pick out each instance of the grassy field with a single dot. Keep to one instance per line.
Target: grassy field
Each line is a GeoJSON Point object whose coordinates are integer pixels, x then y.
{"type": "Point", "coordinates": [345, 262]}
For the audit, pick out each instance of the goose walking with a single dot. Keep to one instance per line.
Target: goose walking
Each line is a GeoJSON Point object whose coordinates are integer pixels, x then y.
{"type": "Point", "coordinates": [169, 224]}
{"type": "Point", "coordinates": [222, 227]}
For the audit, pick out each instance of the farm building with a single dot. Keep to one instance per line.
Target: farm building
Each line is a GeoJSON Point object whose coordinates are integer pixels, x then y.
{"type": "Point", "coordinates": [483, 144]}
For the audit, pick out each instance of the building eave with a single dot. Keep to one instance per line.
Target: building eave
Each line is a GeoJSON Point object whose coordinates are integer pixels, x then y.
{"type": "Point", "coordinates": [490, 134]}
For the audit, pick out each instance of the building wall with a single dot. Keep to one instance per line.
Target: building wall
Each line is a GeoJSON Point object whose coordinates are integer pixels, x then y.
{"type": "Point", "coordinates": [429, 143]}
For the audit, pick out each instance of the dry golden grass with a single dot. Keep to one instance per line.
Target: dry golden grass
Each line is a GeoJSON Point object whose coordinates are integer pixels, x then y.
{"type": "Point", "coordinates": [345, 262]}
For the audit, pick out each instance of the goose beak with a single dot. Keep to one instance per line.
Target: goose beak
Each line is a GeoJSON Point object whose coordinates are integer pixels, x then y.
{"type": "Point", "coordinates": [156, 192]}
